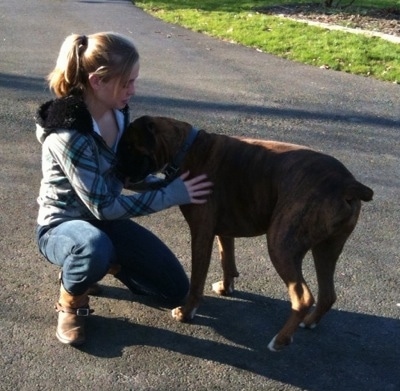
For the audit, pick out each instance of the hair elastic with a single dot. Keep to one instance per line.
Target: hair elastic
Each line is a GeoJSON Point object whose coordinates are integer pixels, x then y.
{"type": "Point", "coordinates": [83, 44]}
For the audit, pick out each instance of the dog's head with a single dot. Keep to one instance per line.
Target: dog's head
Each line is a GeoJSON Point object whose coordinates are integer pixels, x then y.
{"type": "Point", "coordinates": [149, 144]}
{"type": "Point", "coordinates": [135, 150]}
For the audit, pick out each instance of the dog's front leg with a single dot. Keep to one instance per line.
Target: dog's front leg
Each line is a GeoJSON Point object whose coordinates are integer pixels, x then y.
{"type": "Point", "coordinates": [226, 247]}
{"type": "Point", "coordinates": [202, 243]}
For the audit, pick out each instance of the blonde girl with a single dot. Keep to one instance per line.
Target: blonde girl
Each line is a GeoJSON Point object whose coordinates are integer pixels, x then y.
{"type": "Point", "coordinates": [84, 222]}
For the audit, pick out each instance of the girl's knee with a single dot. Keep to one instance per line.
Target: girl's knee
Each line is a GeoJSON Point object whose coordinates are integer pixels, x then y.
{"type": "Point", "coordinates": [89, 261]}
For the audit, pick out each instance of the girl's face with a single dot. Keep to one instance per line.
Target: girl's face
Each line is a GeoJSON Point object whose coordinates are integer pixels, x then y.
{"type": "Point", "coordinates": [114, 95]}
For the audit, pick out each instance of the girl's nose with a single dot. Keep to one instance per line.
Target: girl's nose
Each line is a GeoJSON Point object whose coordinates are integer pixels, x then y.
{"type": "Point", "coordinates": [132, 89]}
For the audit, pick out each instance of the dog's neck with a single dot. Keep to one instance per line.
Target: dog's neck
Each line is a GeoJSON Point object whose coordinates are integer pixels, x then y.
{"type": "Point", "coordinates": [172, 168]}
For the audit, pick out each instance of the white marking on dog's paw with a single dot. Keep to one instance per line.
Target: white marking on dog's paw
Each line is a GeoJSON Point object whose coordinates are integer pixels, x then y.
{"type": "Point", "coordinates": [178, 314]}
{"type": "Point", "coordinates": [218, 287]}
{"type": "Point", "coordinates": [305, 326]}
{"type": "Point", "coordinates": [193, 313]}
{"type": "Point", "coordinates": [175, 313]}
{"type": "Point", "coordinates": [272, 344]}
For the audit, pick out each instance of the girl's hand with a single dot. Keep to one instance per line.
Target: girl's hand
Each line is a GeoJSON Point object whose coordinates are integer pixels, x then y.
{"type": "Point", "coordinates": [198, 187]}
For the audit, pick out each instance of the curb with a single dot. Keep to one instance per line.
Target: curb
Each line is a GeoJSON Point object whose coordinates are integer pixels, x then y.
{"type": "Point", "coordinates": [387, 37]}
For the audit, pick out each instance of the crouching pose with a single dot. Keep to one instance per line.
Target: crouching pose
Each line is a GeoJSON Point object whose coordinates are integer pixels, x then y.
{"type": "Point", "coordinates": [84, 220]}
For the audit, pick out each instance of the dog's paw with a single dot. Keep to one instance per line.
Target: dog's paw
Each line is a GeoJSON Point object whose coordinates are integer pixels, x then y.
{"type": "Point", "coordinates": [309, 322]}
{"type": "Point", "coordinates": [308, 326]}
{"type": "Point", "coordinates": [274, 346]}
{"type": "Point", "coordinates": [179, 314]}
{"type": "Point", "coordinates": [219, 288]}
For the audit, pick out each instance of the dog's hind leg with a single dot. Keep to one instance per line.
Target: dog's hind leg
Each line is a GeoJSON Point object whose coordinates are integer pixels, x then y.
{"type": "Point", "coordinates": [340, 223]}
{"type": "Point", "coordinates": [287, 259]}
{"type": "Point", "coordinates": [325, 256]}
{"type": "Point", "coordinates": [226, 247]}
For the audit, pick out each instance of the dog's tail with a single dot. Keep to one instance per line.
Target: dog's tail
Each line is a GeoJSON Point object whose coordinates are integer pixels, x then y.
{"type": "Point", "coordinates": [356, 190]}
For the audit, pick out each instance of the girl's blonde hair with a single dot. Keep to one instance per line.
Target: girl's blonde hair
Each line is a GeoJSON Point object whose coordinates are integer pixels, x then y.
{"type": "Point", "coordinates": [108, 55]}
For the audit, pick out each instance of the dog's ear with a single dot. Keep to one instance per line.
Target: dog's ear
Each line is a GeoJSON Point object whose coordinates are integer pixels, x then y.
{"type": "Point", "coordinates": [144, 134]}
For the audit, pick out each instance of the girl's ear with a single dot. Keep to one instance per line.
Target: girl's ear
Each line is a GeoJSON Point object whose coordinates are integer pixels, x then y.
{"type": "Point", "coordinates": [94, 81]}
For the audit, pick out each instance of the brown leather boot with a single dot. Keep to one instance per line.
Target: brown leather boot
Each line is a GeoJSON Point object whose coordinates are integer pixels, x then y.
{"type": "Point", "coordinates": [94, 289]}
{"type": "Point", "coordinates": [72, 313]}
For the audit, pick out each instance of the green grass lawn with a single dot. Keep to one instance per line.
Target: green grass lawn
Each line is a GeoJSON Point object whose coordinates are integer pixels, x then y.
{"type": "Point", "coordinates": [238, 21]}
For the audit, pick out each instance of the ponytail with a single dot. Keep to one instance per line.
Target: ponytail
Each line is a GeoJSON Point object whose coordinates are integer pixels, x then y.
{"type": "Point", "coordinates": [69, 76]}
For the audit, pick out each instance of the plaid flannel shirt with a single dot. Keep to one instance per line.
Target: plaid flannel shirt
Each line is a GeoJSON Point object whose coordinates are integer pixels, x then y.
{"type": "Point", "coordinates": [80, 179]}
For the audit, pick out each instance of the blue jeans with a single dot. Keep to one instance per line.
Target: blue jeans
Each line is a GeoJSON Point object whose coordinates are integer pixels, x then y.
{"type": "Point", "coordinates": [85, 250]}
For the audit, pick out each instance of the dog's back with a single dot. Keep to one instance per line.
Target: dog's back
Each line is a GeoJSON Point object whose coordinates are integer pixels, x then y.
{"type": "Point", "coordinates": [255, 180]}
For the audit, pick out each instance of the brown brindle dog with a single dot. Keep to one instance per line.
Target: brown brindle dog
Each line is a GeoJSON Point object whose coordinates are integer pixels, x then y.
{"type": "Point", "coordinates": [301, 199]}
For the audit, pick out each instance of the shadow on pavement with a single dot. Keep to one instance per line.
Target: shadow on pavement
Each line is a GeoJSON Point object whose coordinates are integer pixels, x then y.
{"type": "Point", "coordinates": [22, 83]}
{"type": "Point", "coordinates": [267, 111]}
{"type": "Point", "coordinates": [36, 84]}
{"type": "Point", "coordinates": [342, 336]}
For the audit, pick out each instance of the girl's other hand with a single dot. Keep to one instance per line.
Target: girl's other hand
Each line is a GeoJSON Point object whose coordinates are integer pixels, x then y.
{"type": "Point", "coordinates": [198, 187]}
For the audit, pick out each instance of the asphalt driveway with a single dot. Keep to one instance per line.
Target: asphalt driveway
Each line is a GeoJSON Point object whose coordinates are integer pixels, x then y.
{"type": "Point", "coordinates": [133, 343]}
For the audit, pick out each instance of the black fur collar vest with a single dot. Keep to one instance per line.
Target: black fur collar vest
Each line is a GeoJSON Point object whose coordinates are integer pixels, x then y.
{"type": "Point", "coordinates": [68, 113]}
